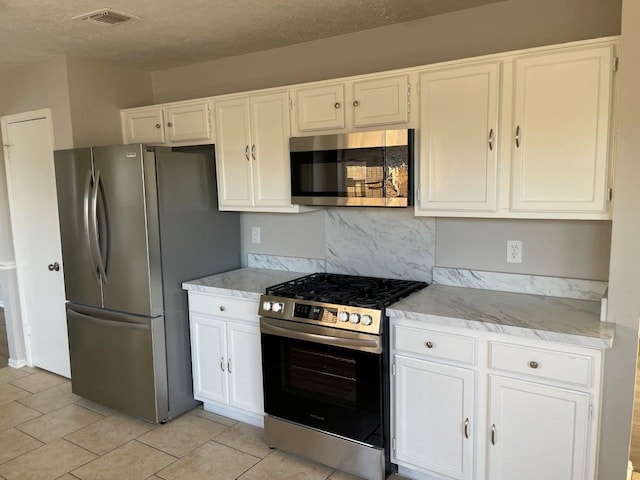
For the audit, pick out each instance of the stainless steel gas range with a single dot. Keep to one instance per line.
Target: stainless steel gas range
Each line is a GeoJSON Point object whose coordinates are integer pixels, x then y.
{"type": "Point", "coordinates": [326, 369]}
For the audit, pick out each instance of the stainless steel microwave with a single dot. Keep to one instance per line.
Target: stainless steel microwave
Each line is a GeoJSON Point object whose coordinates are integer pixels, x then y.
{"type": "Point", "coordinates": [372, 169]}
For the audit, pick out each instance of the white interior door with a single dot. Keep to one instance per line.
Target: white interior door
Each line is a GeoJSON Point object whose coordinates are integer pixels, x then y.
{"type": "Point", "coordinates": [28, 151]}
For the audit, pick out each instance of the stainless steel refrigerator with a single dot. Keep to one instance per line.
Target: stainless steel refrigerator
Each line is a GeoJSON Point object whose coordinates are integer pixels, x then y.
{"type": "Point", "coordinates": [136, 221]}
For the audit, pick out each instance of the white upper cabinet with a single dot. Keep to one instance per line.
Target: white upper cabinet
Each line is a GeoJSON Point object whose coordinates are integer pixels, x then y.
{"type": "Point", "coordinates": [252, 154]}
{"type": "Point", "coordinates": [560, 140]}
{"type": "Point", "coordinates": [350, 105]}
{"type": "Point", "coordinates": [320, 108]}
{"type": "Point", "coordinates": [458, 138]}
{"type": "Point", "coordinates": [143, 125]}
{"type": "Point", "coordinates": [526, 136]}
{"type": "Point", "coordinates": [233, 156]}
{"type": "Point", "coordinates": [381, 101]}
{"type": "Point", "coordinates": [270, 150]}
{"type": "Point", "coordinates": [188, 123]}
{"type": "Point", "coordinates": [182, 123]}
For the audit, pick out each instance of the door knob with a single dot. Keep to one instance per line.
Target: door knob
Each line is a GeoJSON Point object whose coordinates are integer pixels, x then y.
{"type": "Point", "coordinates": [54, 266]}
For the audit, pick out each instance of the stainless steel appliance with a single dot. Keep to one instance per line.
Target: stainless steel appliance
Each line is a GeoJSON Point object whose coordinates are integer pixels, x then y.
{"type": "Point", "coordinates": [326, 369]}
{"type": "Point", "coordinates": [137, 221]}
{"type": "Point", "coordinates": [354, 169]}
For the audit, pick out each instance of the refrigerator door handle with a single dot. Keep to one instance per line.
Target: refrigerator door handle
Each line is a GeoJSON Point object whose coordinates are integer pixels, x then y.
{"type": "Point", "coordinates": [87, 227]}
{"type": "Point", "coordinates": [102, 228]}
{"type": "Point", "coordinates": [94, 227]}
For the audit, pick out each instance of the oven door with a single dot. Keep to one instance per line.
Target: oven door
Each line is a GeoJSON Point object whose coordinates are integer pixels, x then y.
{"type": "Point", "coordinates": [317, 379]}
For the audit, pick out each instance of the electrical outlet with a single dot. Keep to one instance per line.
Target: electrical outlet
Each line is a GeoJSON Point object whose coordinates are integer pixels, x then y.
{"type": "Point", "coordinates": [255, 234]}
{"type": "Point", "coordinates": [514, 251]}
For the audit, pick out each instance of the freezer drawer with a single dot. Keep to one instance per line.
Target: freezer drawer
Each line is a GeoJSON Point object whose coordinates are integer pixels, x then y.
{"type": "Point", "coordinates": [119, 360]}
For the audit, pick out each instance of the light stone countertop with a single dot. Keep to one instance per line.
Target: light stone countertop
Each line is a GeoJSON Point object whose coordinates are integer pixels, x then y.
{"type": "Point", "coordinates": [555, 319]}
{"type": "Point", "coordinates": [248, 283]}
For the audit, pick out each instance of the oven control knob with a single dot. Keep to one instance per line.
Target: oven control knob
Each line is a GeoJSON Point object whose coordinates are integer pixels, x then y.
{"type": "Point", "coordinates": [343, 316]}
{"type": "Point", "coordinates": [355, 318]}
{"type": "Point", "coordinates": [266, 306]}
{"type": "Point", "coordinates": [277, 307]}
{"type": "Point", "coordinates": [367, 320]}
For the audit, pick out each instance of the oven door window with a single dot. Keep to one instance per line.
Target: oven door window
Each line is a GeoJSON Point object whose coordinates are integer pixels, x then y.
{"type": "Point", "coordinates": [333, 389]}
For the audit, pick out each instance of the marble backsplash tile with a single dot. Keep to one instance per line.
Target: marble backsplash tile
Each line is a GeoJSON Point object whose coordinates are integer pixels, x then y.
{"type": "Point", "coordinates": [518, 283]}
{"type": "Point", "coordinates": [289, 264]}
{"type": "Point", "coordinates": [380, 242]}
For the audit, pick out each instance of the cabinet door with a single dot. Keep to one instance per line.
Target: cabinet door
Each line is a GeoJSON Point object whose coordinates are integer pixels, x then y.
{"type": "Point", "coordinates": [536, 431]}
{"type": "Point", "coordinates": [561, 131]}
{"type": "Point", "coordinates": [209, 359]}
{"type": "Point", "coordinates": [270, 150]}
{"type": "Point", "coordinates": [439, 442]}
{"type": "Point", "coordinates": [381, 101]}
{"type": "Point", "coordinates": [245, 367]}
{"type": "Point", "coordinates": [233, 156]}
{"type": "Point", "coordinates": [188, 123]}
{"type": "Point", "coordinates": [144, 126]}
{"type": "Point", "coordinates": [320, 108]}
{"type": "Point", "coordinates": [458, 138]}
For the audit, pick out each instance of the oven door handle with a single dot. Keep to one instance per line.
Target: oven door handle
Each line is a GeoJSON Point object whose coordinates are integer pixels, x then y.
{"type": "Point", "coordinates": [373, 345]}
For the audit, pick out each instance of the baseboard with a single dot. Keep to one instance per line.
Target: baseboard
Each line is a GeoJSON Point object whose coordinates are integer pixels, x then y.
{"type": "Point", "coordinates": [17, 363]}
{"type": "Point", "coordinates": [629, 470]}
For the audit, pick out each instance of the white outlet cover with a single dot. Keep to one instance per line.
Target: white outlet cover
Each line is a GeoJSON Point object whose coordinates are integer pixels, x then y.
{"type": "Point", "coordinates": [255, 234]}
{"type": "Point", "coordinates": [514, 251]}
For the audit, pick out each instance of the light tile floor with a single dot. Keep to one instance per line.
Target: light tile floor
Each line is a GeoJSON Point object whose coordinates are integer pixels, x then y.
{"type": "Point", "coordinates": [47, 433]}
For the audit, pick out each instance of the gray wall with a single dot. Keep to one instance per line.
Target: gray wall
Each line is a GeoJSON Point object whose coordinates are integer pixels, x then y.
{"type": "Point", "coordinates": [41, 85]}
{"type": "Point", "coordinates": [624, 278]}
{"type": "Point", "coordinates": [561, 248]}
{"type": "Point", "coordinates": [85, 98]}
{"type": "Point", "coordinates": [498, 27]}
{"type": "Point", "coordinates": [97, 92]}
{"type": "Point", "coordinates": [285, 234]}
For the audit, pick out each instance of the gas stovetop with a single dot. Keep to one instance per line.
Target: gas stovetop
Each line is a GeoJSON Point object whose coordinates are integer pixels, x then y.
{"type": "Point", "coordinates": [348, 302]}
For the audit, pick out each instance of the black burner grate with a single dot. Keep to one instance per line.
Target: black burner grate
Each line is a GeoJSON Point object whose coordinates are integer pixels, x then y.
{"type": "Point", "coordinates": [352, 290]}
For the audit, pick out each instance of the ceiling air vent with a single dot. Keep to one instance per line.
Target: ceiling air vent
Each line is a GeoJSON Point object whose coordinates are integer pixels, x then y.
{"type": "Point", "coordinates": [105, 16]}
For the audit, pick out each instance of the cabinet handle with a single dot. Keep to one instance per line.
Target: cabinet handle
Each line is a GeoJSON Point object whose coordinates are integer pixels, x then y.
{"type": "Point", "coordinates": [253, 151]}
{"type": "Point", "coordinates": [428, 344]}
{"type": "Point", "coordinates": [493, 434]}
{"type": "Point", "coordinates": [337, 105]}
{"type": "Point", "coordinates": [466, 427]}
{"type": "Point", "coordinates": [356, 103]}
{"type": "Point", "coordinates": [491, 139]}
{"type": "Point", "coordinates": [534, 364]}
{"type": "Point", "coordinates": [518, 136]}
{"type": "Point", "coordinates": [222, 308]}
{"type": "Point", "coordinates": [222, 363]}
{"type": "Point", "coordinates": [169, 124]}
{"type": "Point", "coordinates": [229, 365]}
{"type": "Point", "coordinates": [158, 125]}
{"type": "Point", "coordinates": [246, 152]}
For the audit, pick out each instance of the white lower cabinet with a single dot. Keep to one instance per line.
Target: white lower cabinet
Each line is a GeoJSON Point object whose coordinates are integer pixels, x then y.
{"type": "Point", "coordinates": [536, 431]}
{"type": "Point", "coordinates": [525, 409]}
{"type": "Point", "coordinates": [441, 443]}
{"type": "Point", "coordinates": [226, 358]}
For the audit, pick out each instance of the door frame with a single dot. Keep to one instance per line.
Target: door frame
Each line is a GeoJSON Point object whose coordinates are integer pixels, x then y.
{"type": "Point", "coordinates": [42, 114]}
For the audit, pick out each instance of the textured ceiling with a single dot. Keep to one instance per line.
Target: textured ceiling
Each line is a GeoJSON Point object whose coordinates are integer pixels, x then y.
{"type": "Point", "coordinates": [171, 33]}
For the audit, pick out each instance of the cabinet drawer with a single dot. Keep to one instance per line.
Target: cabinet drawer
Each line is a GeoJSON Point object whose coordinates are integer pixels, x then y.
{"type": "Point", "coordinates": [246, 310]}
{"type": "Point", "coordinates": [433, 344]}
{"type": "Point", "coordinates": [542, 363]}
